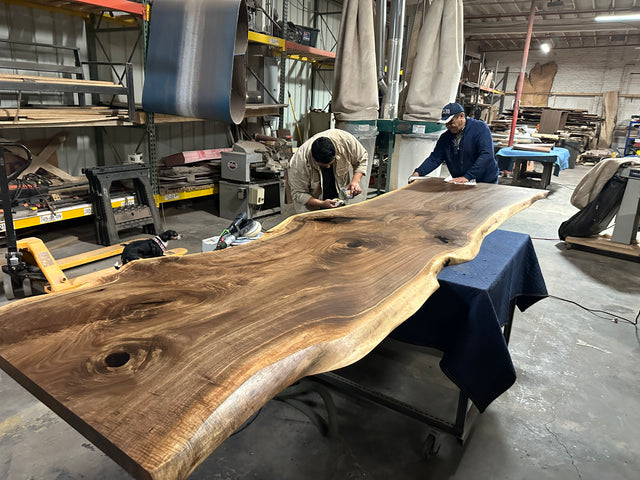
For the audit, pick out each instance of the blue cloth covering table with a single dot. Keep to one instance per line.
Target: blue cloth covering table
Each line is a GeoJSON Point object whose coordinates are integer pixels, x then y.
{"type": "Point", "coordinates": [464, 319]}
{"type": "Point", "coordinates": [513, 160]}
{"type": "Point", "coordinates": [465, 316]}
{"type": "Point", "coordinates": [508, 154]}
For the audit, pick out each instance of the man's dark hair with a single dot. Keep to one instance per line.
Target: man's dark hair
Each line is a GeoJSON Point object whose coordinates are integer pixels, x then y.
{"type": "Point", "coordinates": [322, 150]}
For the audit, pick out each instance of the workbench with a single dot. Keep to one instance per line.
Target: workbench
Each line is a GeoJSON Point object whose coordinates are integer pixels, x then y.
{"type": "Point", "coordinates": [469, 320]}
{"type": "Point", "coordinates": [512, 160]}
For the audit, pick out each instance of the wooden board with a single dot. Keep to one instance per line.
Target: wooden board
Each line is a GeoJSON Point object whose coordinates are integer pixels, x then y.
{"type": "Point", "coordinates": [603, 244]}
{"type": "Point", "coordinates": [539, 80]}
{"type": "Point", "coordinates": [12, 77]}
{"type": "Point", "coordinates": [159, 362]}
{"type": "Point", "coordinates": [534, 147]}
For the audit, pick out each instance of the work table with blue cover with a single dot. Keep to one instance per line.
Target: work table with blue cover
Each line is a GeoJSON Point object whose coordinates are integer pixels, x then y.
{"type": "Point", "coordinates": [511, 159]}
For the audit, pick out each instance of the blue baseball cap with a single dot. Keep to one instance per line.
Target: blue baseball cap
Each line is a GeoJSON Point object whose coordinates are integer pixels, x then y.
{"type": "Point", "coordinates": [449, 111]}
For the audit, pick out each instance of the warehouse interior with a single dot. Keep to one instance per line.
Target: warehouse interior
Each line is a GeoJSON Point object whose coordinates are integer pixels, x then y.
{"type": "Point", "coordinates": [101, 147]}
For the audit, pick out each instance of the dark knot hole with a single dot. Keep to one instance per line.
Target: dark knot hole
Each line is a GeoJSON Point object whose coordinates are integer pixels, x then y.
{"type": "Point", "coordinates": [117, 359]}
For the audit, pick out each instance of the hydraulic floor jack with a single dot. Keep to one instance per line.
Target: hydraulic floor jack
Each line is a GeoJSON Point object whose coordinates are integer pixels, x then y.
{"type": "Point", "coordinates": [30, 268]}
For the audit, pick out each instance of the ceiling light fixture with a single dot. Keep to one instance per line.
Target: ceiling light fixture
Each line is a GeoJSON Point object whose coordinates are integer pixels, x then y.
{"type": "Point", "coordinates": [618, 18]}
{"type": "Point", "coordinates": [545, 47]}
{"type": "Point", "coordinates": [555, 3]}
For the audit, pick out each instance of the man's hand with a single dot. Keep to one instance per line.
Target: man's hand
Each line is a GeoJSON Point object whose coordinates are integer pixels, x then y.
{"type": "Point", "coordinates": [413, 177]}
{"type": "Point", "coordinates": [317, 204]}
{"type": "Point", "coordinates": [459, 180]}
{"type": "Point", "coordinates": [333, 203]}
{"type": "Point", "coordinates": [354, 188]}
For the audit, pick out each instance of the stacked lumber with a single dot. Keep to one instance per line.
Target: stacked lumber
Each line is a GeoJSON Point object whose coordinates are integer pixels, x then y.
{"type": "Point", "coordinates": [579, 125]}
{"type": "Point", "coordinates": [531, 116]}
{"type": "Point", "coordinates": [190, 170]}
{"type": "Point", "coordinates": [32, 116]}
{"type": "Point", "coordinates": [189, 177]}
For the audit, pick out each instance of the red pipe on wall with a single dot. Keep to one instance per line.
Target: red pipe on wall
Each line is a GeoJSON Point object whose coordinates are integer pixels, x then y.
{"type": "Point", "coordinates": [523, 70]}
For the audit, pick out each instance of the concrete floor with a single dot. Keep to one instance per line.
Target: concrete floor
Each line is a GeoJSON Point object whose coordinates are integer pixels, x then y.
{"type": "Point", "coordinates": [573, 412]}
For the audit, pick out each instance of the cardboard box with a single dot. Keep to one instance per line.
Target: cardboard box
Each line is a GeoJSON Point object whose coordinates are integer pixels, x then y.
{"type": "Point", "coordinates": [552, 120]}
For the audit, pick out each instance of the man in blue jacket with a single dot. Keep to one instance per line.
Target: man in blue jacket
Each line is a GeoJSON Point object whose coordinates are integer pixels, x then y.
{"type": "Point", "coordinates": [466, 147]}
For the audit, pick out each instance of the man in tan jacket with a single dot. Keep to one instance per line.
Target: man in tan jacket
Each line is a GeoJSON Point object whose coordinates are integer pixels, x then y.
{"type": "Point", "coordinates": [321, 169]}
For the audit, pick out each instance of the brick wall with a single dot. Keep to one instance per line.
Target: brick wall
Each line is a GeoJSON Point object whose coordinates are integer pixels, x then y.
{"type": "Point", "coordinates": [585, 70]}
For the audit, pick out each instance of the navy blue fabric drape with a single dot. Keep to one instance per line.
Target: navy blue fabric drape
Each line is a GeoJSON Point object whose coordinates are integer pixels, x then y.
{"type": "Point", "coordinates": [463, 318]}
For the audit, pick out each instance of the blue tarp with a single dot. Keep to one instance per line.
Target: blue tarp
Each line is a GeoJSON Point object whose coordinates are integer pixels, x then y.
{"type": "Point", "coordinates": [509, 154]}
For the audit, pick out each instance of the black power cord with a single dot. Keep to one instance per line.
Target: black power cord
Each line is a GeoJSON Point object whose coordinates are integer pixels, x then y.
{"type": "Point", "coordinates": [247, 423]}
{"type": "Point", "coordinates": [611, 316]}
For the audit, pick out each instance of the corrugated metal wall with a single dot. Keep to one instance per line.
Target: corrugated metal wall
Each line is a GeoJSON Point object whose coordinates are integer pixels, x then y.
{"type": "Point", "coordinates": [306, 91]}
{"type": "Point", "coordinates": [309, 90]}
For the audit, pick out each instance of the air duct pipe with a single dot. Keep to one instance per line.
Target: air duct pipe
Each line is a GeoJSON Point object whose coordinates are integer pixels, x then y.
{"type": "Point", "coordinates": [390, 100]}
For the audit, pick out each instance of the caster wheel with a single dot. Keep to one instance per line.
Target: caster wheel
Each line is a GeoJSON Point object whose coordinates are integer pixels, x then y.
{"type": "Point", "coordinates": [431, 446]}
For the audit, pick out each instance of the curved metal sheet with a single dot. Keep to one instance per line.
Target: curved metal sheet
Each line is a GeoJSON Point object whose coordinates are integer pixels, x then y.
{"type": "Point", "coordinates": [196, 59]}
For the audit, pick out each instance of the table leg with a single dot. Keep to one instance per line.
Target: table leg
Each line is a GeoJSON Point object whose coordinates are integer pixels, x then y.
{"type": "Point", "coordinates": [545, 180]}
{"type": "Point", "coordinates": [519, 166]}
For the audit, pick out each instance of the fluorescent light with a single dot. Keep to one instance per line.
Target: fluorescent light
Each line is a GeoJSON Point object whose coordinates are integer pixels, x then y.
{"type": "Point", "coordinates": [617, 18]}
{"type": "Point", "coordinates": [545, 47]}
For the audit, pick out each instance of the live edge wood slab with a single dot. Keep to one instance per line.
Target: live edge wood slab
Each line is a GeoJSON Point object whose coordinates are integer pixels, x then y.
{"type": "Point", "coordinates": [159, 362]}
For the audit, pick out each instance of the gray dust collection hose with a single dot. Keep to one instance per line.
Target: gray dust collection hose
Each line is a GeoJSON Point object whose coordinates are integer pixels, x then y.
{"type": "Point", "coordinates": [196, 59]}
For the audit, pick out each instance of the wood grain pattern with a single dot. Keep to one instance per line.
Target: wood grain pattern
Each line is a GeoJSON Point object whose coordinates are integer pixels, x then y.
{"type": "Point", "coordinates": [161, 361]}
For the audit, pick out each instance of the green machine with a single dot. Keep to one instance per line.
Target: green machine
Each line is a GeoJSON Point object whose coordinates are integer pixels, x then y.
{"type": "Point", "coordinates": [425, 133]}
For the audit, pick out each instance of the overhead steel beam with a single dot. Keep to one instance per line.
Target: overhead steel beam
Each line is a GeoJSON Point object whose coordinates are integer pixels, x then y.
{"type": "Point", "coordinates": [547, 13]}
{"type": "Point", "coordinates": [502, 28]}
{"type": "Point", "coordinates": [520, 38]}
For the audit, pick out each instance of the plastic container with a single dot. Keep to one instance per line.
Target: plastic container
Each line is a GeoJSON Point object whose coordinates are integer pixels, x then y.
{"type": "Point", "coordinates": [574, 147]}
{"type": "Point", "coordinates": [308, 35]}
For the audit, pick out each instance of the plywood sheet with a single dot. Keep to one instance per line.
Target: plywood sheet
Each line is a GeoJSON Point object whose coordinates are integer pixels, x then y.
{"type": "Point", "coordinates": [159, 362]}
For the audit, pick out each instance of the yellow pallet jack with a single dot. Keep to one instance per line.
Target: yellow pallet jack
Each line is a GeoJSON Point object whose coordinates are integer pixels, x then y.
{"type": "Point", "coordinates": [45, 274]}
{"type": "Point", "coordinates": [30, 268]}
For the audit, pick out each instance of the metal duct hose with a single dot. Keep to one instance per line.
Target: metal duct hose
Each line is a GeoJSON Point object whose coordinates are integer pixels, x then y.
{"type": "Point", "coordinates": [196, 59]}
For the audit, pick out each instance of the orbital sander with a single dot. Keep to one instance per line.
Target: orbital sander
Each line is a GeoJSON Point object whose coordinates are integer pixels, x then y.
{"type": "Point", "coordinates": [240, 227]}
